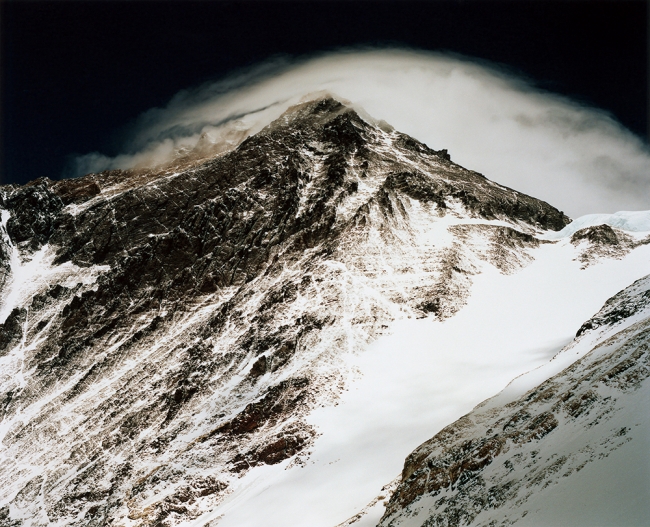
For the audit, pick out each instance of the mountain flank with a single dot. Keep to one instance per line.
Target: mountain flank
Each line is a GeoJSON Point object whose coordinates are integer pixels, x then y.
{"type": "Point", "coordinates": [166, 331]}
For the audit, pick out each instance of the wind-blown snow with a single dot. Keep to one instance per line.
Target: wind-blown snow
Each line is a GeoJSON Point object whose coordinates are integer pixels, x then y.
{"type": "Point", "coordinates": [490, 121]}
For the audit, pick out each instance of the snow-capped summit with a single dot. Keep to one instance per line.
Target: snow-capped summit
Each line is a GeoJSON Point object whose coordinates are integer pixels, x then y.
{"type": "Point", "coordinates": [261, 337]}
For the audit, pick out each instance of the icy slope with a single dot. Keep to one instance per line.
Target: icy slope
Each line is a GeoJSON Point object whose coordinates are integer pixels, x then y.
{"type": "Point", "coordinates": [565, 444]}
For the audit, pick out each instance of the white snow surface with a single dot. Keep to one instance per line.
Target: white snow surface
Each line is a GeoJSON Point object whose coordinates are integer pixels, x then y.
{"type": "Point", "coordinates": [601, 477]}
{"type": "Point", "coordinates": [423, 376]}
{"type": "Point", "coordinates": [631, 221]}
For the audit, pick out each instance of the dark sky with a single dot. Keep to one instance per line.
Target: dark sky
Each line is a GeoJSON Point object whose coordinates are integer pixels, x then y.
{"type": "Point", "coordinates": [74, 74]}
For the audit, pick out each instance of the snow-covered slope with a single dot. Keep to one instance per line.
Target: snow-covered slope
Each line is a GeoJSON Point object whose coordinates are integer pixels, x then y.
{"type": "Point", "coordinates": [261, 338]}
{"type": "Point", "coordinates": [565, 444]}
{"type": "Point", "coordinates": [425, 375]}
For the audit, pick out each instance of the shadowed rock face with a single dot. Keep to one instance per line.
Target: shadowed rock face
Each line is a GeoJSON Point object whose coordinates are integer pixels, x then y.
{"type": "Point", "coordinates": [186, 319]}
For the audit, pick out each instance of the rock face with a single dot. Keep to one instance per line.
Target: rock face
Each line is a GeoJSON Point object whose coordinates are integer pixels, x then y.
{"type": "Point", "coordinates": [503, 464]}
{"type": "Point", "coordinates": [602, 241]}
{"type": "Point", "coordinates": [166, 331]}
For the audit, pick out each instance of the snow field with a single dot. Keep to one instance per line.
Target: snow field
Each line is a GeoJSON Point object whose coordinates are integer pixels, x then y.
{"type": "Point", "coordinates": [421, 377]}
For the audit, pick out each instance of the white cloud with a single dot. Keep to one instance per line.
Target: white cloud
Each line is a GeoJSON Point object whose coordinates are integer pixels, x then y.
{"type": "Point", "coordinates": [576, 158]}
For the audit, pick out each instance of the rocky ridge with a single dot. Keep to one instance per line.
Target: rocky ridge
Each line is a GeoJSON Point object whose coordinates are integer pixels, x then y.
{"type": "Point", "coordinates": [165, 331]}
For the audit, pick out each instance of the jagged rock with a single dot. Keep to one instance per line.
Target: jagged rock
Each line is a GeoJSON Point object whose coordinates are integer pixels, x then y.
{"type": "Point", "coordinates": [11, 331]}
{"type": "Point", "coordinates": [77, 190]}
{"type": "Point", "coordinates": [600, 234]}
{"type": "Point", "coordinates": [34, 211]}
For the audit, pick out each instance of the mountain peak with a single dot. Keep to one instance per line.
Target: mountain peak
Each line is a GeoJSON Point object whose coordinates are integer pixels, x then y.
{"type": "Point", "coordinates": [200, 312]}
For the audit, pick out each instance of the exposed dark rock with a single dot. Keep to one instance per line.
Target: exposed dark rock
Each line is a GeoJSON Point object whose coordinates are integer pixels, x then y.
{"type": "Point", "coordinates": [34, 212]}
{"type": "Point", "coordinates": [600, 234]}
{"type": "Point", "coordinates": [11, 332]}
{"type": "Point", "coordinates": [77, 190]}
{"type": "Point", "coordinates": [602, 241]}
{"type": "Point", "coordinates": [5, 519]}
{"type": "Point", "coordinates": [621, 306]}
{"type": "Point", "coordinates": [479, 195]}
{"type": "Point", "coordinates": [279, 401]}
{"type": "Point", "coordinates": [259, 367]}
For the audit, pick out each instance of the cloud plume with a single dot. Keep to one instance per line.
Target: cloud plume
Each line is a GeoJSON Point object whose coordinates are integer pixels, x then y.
{"type": "Point", "coordinates": [576, 158]}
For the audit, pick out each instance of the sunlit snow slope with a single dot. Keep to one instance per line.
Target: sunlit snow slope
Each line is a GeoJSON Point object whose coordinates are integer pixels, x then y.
{"type": "Point", "coordinates": [427, 374]}
{"type": "Point", "coordinates": [262, 336]}
{"type": "Point", "coordinates": [566, 444]}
